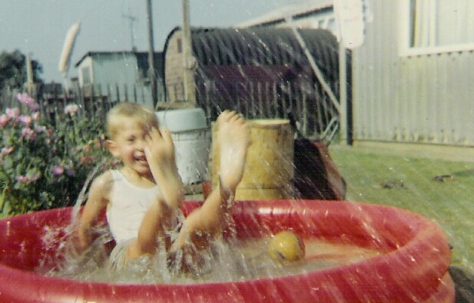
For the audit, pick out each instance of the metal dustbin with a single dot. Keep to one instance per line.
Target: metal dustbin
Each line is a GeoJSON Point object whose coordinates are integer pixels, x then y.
{"type": "Point", "coordinates": [192, 139]}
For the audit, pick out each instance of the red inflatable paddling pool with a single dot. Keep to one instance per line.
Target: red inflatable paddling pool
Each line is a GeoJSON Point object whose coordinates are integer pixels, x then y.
{"type": "Point", "coordinates": [412, 266]}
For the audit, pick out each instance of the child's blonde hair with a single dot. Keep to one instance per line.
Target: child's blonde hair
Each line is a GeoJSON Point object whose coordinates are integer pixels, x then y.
{"type": "Point", "coordinates": [144, 117]}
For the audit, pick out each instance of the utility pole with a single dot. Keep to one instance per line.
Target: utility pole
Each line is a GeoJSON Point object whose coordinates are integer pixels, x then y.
{"type": "Point", "coordinates": [350, 17]}
{"type": "Point", "coordinates": [30, 84]}
{"type": "Point", "coordinates": [189, 62]}
{"type": "Point", "coordinates": [343, 125]}
{"type": "Point", "coordinates": [131, 20]}
{"type": "Point", "coordinates": [151, 55]}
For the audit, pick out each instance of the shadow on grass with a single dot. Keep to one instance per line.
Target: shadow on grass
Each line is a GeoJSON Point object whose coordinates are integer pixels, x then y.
{"type": "Point", "coordinates": [464, 173]}
{"type": "Point", "coordinates": [464, 284]}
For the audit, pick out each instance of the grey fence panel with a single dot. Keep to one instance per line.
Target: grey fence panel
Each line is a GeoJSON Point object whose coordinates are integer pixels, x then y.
{"type": "Point", "coordinates": [305, 105]}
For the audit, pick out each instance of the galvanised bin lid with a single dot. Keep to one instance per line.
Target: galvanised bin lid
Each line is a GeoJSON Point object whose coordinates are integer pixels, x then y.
{"type": "Point", "coordinates": [181, 120]}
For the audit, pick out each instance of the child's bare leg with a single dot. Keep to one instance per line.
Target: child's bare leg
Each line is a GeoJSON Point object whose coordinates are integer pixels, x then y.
{"type": "Point", "coordinates": [208, 221]}
{"type": "Point", "coordinates": [155, 221]}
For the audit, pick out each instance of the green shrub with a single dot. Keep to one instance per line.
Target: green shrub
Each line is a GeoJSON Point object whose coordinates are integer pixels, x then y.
{"type": "Point", "coordinates": [42, 166]}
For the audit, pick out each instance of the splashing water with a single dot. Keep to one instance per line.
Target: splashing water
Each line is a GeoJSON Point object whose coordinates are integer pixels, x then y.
{"type": "Point", "coordinates": [234, 260]}
{"type": "Point", "coordinates": [231, 260]}
{"type": "Point", "coordinates": [82, 197]}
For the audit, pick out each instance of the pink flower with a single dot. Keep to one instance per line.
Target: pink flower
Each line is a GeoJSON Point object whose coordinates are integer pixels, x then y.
{"type": "Point", "coordinates": [28, 101]}
{"type": "Point", "coordinates": [86, 160]}
{"type": "Point", "coordinates": [4, 119]}
{"type": "Point", "coordinates": [58, 171]}
{"type": "Point", "coordinates": [27, 179]}
{"type": "Point", "coordinates": [50, 132]}
{"type": "Point", "coordinates": [23, 179]}
{"type": "Point", "coordinates": [40, 129]}
{"type": "Point", "coordinates": [7, 150]}
{"type": "Point", "coordinates": [24, 98]}
{"type": "Point", "coordinates": [70, 172]}
{"type": "Point", "coordinates": [13, 113]}
{"type": "Point", "coordinates": [71, 109]}
{"type": "Point", "coordinates": [25, 120]}
{"type": "Point", "coordinates": [28, 134]}
{"type": "Point", "coordinates": [35, 116]}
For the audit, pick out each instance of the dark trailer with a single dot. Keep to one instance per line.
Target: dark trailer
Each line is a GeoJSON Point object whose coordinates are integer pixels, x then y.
{"type": "Point", "coordinates": [262, 72]}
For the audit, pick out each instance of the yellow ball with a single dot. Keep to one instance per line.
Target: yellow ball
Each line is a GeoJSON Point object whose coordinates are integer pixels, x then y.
{"type": "Point", "coordinates": [286, 246]}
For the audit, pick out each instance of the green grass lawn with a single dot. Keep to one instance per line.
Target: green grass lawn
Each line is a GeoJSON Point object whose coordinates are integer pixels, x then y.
{"type": "Point", "coordinates": [440, 190]}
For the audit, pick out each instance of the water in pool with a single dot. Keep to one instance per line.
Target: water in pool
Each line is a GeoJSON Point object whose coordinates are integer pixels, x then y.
{"type": "Point", "coordinates": [230, 261]}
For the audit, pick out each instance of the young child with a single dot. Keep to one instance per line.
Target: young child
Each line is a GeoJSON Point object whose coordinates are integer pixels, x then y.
{"type": "Point", "coordinates": [142, 199]}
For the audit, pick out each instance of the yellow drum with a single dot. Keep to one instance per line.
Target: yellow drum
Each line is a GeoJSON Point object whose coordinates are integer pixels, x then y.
{"type": "Point", "coordinates": [269, 169]}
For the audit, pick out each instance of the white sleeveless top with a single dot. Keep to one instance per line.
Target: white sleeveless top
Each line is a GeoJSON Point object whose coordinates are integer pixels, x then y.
{"type": "Point", "coordinates": [127, 206]}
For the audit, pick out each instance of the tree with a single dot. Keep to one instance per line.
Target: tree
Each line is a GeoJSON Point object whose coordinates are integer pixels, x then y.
{"type": "Point", "coordinates": [13, 69]}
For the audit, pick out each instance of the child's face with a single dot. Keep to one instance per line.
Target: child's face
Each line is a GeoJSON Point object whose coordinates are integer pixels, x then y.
{"type": "Point", "coordinates": [128, 145]}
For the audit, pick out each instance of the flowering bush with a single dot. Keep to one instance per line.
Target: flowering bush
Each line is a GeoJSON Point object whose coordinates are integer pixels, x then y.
{"type": "Point", "coordinates": [42, 166]}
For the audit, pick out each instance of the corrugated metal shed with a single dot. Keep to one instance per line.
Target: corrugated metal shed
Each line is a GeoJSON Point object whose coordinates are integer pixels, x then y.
{"type": "Point", "coordinates": [261, 46]}
{"type": "Point", "coordinates": [264, 46]}
{"type": "Point", "coordinates": [275, 51]}
{"type": "Point", "coordinates": [250, 66]}
{"type": "Point", "coordinates": [259, 67]}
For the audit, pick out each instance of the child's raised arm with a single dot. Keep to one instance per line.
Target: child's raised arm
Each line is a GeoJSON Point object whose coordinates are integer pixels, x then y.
{"type": "Point", "coordinates": [160, 154]}
{"type": "Point", "coordinates": [96, 202]}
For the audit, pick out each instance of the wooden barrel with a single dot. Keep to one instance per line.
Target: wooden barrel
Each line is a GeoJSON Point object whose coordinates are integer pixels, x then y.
{"type": "Point", "coordinates": [269, 169]}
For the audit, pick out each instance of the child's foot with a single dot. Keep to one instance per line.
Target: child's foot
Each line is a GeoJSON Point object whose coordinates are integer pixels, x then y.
{"type": "Point", "coordinates": [233, 140]}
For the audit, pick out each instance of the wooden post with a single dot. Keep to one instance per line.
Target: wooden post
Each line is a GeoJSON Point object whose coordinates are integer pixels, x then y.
{"type": "Point", "coordinates": [109, 98]}
{"type": "Point", "coordinates": [151, 55]}
{"type": "Point", "coordinates": [189, 62]}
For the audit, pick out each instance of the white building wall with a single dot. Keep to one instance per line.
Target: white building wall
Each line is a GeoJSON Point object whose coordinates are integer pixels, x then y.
{"type": "Point", "coordinates": [405, 96]}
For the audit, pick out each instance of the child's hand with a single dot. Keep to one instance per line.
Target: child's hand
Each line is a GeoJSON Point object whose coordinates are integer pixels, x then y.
{"type": "Point", "coordinates": [159, 147]}
{"type": "Point", "coordinates": [81, 240]}
{"type": "Point", "coordinates": [160, 155]}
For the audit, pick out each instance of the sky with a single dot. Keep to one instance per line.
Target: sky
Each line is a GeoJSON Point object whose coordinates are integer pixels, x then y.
{"type": "Point", "coordinates": [39, 27]}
